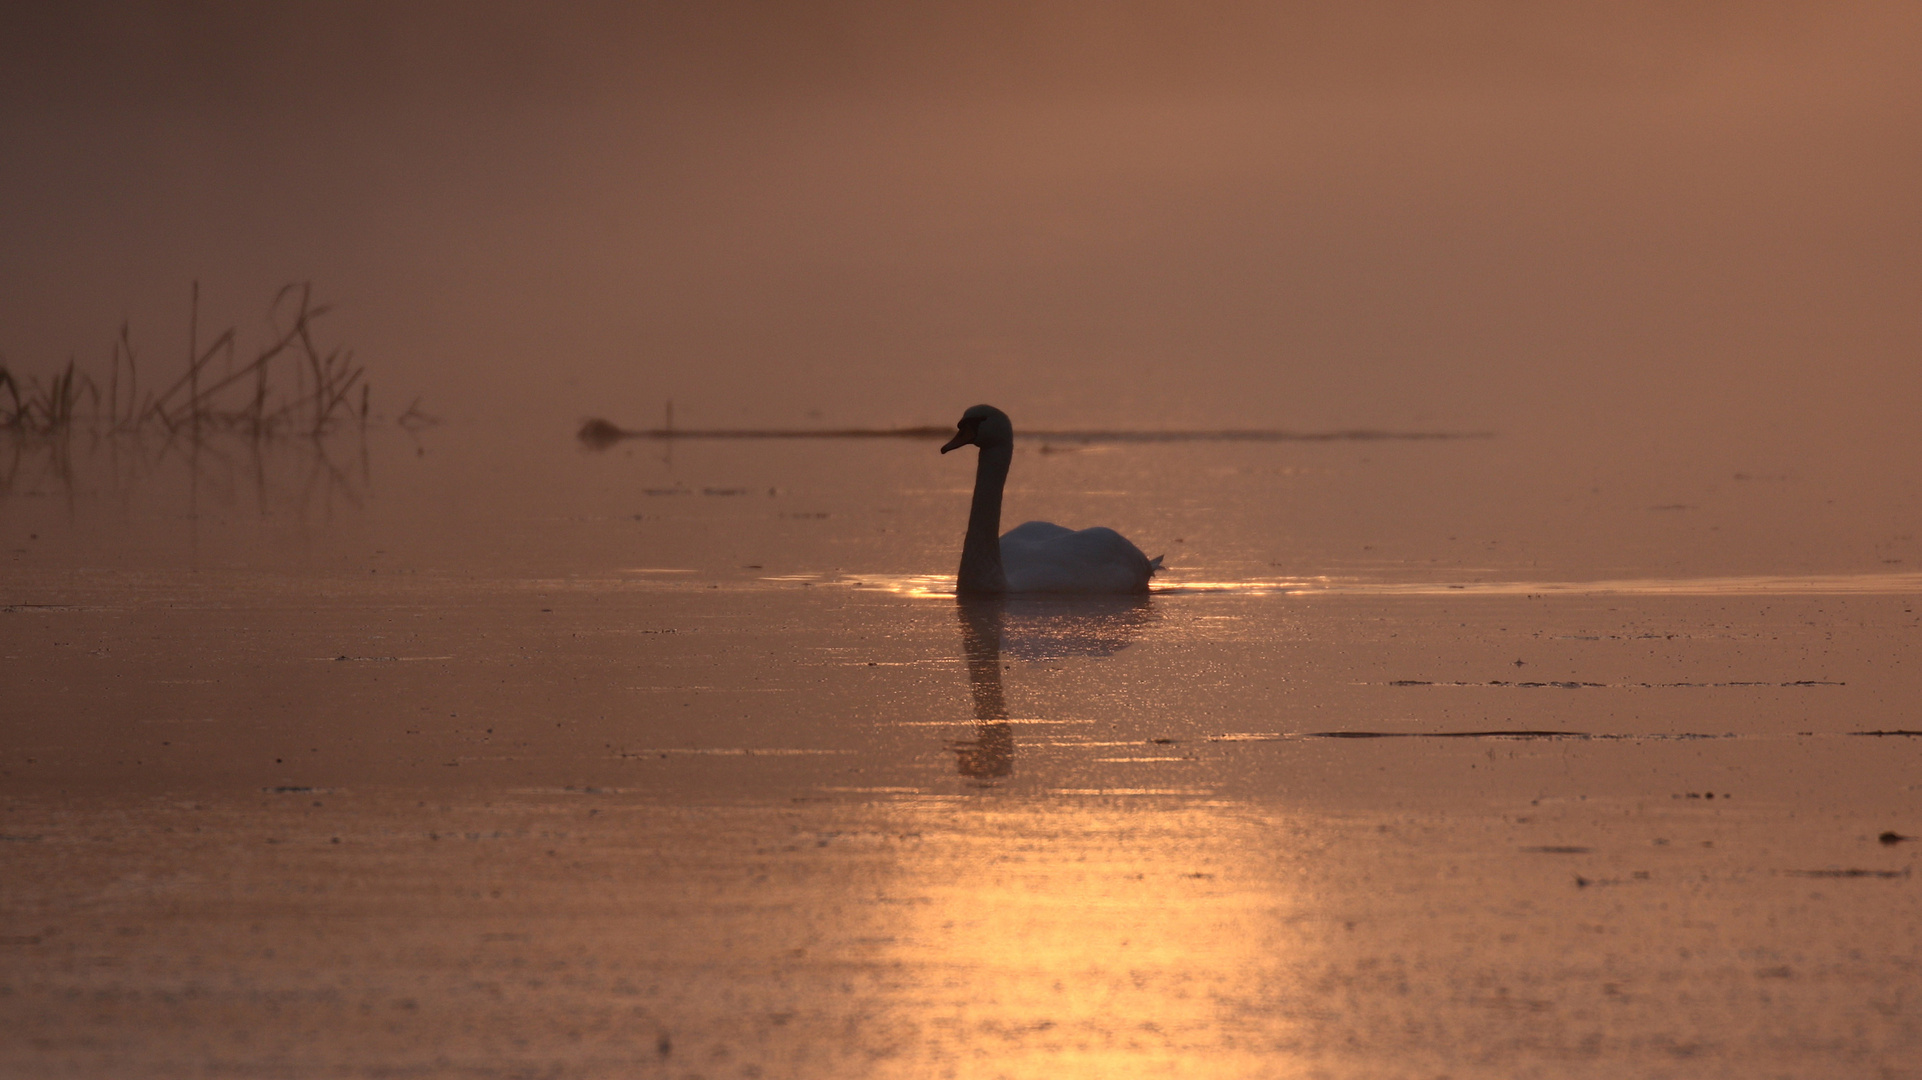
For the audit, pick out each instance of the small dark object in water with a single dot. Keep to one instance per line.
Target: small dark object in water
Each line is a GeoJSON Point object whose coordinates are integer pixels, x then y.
{"type": "Point", "coordinates": [1162, 742]}
{"type": "Point", "coordinates": [1892, 838]}
{"type": "Point", "coordinates": [664, 1045]}
{"type": "Point", "coordinates": [598, 434]}
{"type": "Point", "coordinates": [1556, 849]}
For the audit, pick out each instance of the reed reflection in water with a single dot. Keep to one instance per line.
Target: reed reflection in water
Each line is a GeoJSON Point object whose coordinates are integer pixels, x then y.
{"type": "Point", "coordinates": [1031, 629]}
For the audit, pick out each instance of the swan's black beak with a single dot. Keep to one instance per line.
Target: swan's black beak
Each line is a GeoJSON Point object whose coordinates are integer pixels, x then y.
{"type": "Point", "coordinates": [961, 438]}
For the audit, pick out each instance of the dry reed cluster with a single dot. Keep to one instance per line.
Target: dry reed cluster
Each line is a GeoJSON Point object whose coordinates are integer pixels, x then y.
{"type": "Point", "coordinates": [290, 386]}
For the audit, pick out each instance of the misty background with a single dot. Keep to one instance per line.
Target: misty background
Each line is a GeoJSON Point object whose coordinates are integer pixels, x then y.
{"type": "Point", "coordinates": [1655, 227]}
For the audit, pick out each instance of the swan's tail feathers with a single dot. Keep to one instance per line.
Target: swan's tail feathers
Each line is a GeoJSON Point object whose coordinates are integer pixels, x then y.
{"type": "Point", "coordinates": [1154, 565]}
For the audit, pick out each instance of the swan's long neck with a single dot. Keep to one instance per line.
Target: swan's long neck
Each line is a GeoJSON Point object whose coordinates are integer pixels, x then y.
{"type": "Point", "coordinates": [981, 552]}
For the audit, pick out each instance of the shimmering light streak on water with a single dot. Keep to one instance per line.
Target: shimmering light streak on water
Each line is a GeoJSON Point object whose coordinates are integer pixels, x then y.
{"type": "Point", "coordinates": [932, 586]}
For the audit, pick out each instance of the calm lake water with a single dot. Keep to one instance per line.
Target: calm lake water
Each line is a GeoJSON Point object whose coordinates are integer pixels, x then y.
{"type": "Point", "coordinates": [479, 755]}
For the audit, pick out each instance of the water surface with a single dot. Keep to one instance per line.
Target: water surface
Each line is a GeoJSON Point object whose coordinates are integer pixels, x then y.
{"type": "Point", "coordinates": [487, 756]}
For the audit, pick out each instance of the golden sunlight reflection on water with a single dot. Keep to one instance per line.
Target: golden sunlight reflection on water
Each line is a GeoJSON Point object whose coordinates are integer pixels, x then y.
{"type": "Point", "coordinates": [1096, 941]}
{"type": "Point", "coordinates": [935, 586]}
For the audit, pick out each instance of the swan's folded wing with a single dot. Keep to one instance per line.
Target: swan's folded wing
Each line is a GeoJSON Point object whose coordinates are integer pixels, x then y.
{"type": "Point", "coordinates": [1035, 532]}
{"type": "Point", "coordinates": [1042, 557]}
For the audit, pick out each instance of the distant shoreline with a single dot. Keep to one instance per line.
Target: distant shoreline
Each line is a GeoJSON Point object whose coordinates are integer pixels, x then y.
{"type": "Point", "coordinates": [599, 433]}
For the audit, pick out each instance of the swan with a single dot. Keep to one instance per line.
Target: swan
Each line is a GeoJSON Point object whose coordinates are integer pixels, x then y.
{"type": "Point", "coordinates": [1039, 556]}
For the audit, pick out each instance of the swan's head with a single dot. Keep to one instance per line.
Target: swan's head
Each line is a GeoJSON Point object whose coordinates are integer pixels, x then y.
{"type": "Point", "coordinates": [983, 426]}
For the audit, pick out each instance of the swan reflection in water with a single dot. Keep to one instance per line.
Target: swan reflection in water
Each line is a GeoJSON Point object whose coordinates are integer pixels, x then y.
{"type": "Point", "coordinates": [1031, 629]}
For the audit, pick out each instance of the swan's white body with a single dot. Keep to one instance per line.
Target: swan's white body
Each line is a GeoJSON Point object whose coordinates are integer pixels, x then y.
{"type": "Point", "coordinates": [1037, 557]}
{"type": "Point", "coordinates": [1041, 556]}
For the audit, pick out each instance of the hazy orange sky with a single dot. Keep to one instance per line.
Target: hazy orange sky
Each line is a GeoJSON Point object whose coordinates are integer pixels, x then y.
{"type": "Point", "coordinates": [1634, 217]}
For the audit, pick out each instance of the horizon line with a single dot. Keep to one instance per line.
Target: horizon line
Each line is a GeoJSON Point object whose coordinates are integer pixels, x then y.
{"type": "Point", "coordinates": [598, 433]}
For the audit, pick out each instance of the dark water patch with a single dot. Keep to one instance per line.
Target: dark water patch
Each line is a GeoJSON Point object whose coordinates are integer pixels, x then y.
{"type": "Point", "coordinates": [1570, 684]}
{"type": "Point", "coordinates": [727, 751]}
{"type": "Point", "coordinates": [1501, 733]}
{"type": "Point", "coordinates": [1499, 682]}
{"type": "Point", "coordinates": [598, 434]}
{"type": "Point", "coordinates": [1680, 736]}
{"type": "Point", "coordinates": [1850, 873]}
{"type": "Point", "coordinates": [1498, 734]}
{"type": "Point", "coordinates": [1891, 838]}
{"type": "Point", "coordinates": [1638, 877]}
{"type": "Point", "coordinates": [1508, 734]}
{"type": "Point", "coordinates": [1901, 732]}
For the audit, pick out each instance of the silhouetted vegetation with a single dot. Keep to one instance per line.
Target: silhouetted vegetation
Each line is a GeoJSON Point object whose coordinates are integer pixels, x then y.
{"type": "Point", "coordinates": [292, 385]}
